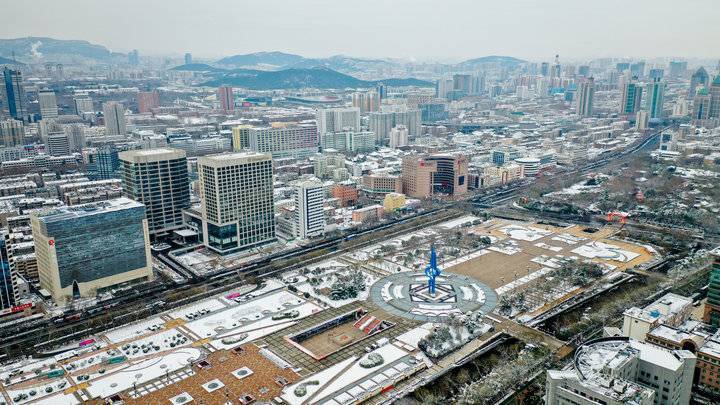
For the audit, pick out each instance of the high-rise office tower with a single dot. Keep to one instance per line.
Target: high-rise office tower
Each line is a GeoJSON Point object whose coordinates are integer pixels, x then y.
{"type": "Point", "coordinates": [48, 104]}
{"type": "Point", "coordinates": [103, 162]}
{"type": "Point", "coordinates": [545, 69]}
{"type": "Point", "coordinates": [478, 84]}
{"type": "Point", "coordinates": [381, 89]}
{"type": "Point", "coordinates": [631, 98]}
{"type": "Point", "coordinates": [434, 174]}
{"type": "Point", "coordinates": [583, 70]}
{"type": "Point", "coordinates": [87, 249]}
{"type": "Point", "coordinates": [8, 278]}
{"type": "Point", "coordinates": [134, 57]}
{"type": "Point", "coordinates": [677, 69]}
{"type": "Point", "coordinates": [338, 119]}
{"type": "Point", "coordinates": [83, 104]}
{"type": "Point", "coordinates": [555, 70]}
{"type": "Point", "coordinates": [433, 112]}
{"type": "Point", "coordinates": [712, 306]}
{"type": "Point", "coordinates": [463, 83]}
{"type": "Point", "coordinates": [284, 140]}
{"type": "Point", "coordinates": [309, 216]}
{"type": "Point", "coordinates": [450, 175]}
{"type": "Point", "coordinates": [714, 91]}
{"type": "Point", "coordinates": [621, 67]}
{"type": "Point", "coordinates": [226, 98]}
{"type": "Point", "coordinates": [399, 136]}
{"type": "Point", "coordinates": [637, 69]}
{"type": "Point", "coordinates": [14, 94]}
{"type": "Point", "coordinates": [147, 100]}
{"type": "Point", "coordinates": [585, 97]}
{"type": "Point", "coordinates": [114, 114]}
{"type": "Point", "coordinates": [236, 190]}
{"type": "Point", "coordinates": [443, 87]}
{"type": "Point", "coordinates": [656, 73]}
{"type": "Point", "coordinates": [158, 178]}
{"type": "Point", "coordinates": [655, 92]}
{"type": "Point", "coordinates": [698, 79]}
{"type": "Point", "coordinates": [12, 132]}
{"type": "Point", "coordinates": [188, 58]}
{"type": "Point", "coordinates": [701, 104]}
{"type": "Point", "coordinates": [76, 137]}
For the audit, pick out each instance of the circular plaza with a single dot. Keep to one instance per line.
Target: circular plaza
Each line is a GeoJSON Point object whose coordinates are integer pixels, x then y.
{"type": "Point", "coordinates": [408, 295]}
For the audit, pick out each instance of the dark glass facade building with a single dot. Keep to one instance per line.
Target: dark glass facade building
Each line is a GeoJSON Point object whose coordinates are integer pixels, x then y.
{"type": "Point", "coordinates": [7, 279]}
{"type": "Point", "coordinates": [86, 248]}
{"type": "Point", "coordinates": [159, 179]}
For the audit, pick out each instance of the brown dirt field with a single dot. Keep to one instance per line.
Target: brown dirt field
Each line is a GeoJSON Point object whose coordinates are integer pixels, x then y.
{"type": "Point", "coordinates": [324, 343]}
{"type": "Point", "coordinates": [492, 267]}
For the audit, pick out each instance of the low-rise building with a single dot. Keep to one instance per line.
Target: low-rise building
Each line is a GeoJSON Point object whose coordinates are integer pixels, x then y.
{"type": "Point", "coordinates": [621, 370]}
{"type": "Point", "coordinates": [369, 213]}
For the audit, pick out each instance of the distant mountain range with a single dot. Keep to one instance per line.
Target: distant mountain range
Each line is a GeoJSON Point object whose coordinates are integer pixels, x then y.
{"type": "Point", "coordinates": [270, 70]}
{"type": "Point", "coordinates": [293, 78]}
{"type": "Point", "coordinates": [507, 61]}
{"type": "Point", "coordinates": [51, 49]}
{"type": "Point", "coordinates": [279, 59]}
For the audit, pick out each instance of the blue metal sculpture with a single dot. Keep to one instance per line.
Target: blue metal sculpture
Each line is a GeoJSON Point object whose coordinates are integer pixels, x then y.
{"type": "Point", "coordinates": [432, 271]}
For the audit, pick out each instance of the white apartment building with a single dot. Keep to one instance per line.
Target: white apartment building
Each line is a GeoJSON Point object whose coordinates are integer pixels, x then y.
{"type": "Point", "coordinates": [298, 141]}
{"type": "Point", "coordinates": [621, 370]}
{"type": "Point", "coordinates": [399, 136]}
{"type": "Point", "coordinates": [349, 141]}
{"type": "Point", "coordinates": [114, 115]}
{"type": "Point", "coordinates": [338, 119]}
{"type": "Point", "coordinates": [48, 104]}
{"type": "Point", "coordinates": [309, 217]}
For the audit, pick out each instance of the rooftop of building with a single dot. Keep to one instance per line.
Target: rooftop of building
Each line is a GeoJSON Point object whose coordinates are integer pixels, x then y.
{"type": "Point", "coordinates": [234, 158]}
{"type": "Point", "coordinates": [151, 155]}
{"type": "Point", "coordinates": [595, 360]}
{"type": "Point", "coordinates": [78, 211]}
{"type": "Point", "coordinates": [668, 305]}
{"type": "Point", "coordinates": [711, 347]}
{"type": "Point", "coordinates": [623, 391]}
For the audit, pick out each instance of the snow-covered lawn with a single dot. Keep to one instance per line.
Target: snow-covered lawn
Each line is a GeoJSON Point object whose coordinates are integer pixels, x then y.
{"type": "Point", "coordinates": [199, 308]}
{"type": "Point", "coordinates": [165, 340]}
{"type": "Point", "coordinates": [55, 396]}
{"type": "Point", "coordinates": [526, 233]}
{"type": "Point", "coordinates": [134, 329]}
{"type": "Point", "coordinates": [142, 372]}
{"type": "Point", "coordinates": [605, 251]}
{"type": "Point", "coordinates": [245, 316]}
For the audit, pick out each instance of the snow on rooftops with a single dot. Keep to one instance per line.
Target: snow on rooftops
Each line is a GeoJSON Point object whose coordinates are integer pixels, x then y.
{"type": "Point", "coordinates": [671, 309]}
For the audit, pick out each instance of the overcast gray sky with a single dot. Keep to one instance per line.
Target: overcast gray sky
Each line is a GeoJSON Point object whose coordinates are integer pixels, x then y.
{"type": "Point", "coordinates": [420, 29]}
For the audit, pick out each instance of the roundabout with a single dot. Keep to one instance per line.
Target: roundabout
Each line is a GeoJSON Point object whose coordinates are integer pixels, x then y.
{"type": "Point", "coordinates": [409, 295]}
